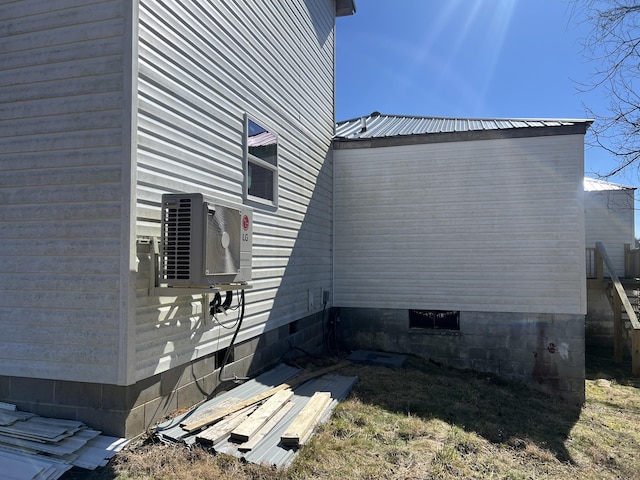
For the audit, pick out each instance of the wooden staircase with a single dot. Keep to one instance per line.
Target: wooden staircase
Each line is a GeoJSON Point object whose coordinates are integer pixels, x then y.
{"type": "Point", "coordinates": [624, 295]}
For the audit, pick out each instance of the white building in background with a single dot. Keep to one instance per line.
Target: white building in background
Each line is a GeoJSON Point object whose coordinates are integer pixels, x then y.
{"type": "Point", "coordinates": [609, 218]}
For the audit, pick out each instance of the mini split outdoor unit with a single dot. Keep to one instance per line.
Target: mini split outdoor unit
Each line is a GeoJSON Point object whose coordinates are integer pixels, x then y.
{"type": "Point", "coordinates": [203, 243]}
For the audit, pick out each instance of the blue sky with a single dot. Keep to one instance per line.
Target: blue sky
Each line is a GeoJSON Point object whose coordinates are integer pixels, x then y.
{"type": "Point", "coordinates": [468, 58]}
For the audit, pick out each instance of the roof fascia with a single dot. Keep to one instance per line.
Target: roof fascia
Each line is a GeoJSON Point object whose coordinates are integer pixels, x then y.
{"type": "Point", "coordinates": [420, 139]}
{"type": "Point", "coordinates": [344, 8]}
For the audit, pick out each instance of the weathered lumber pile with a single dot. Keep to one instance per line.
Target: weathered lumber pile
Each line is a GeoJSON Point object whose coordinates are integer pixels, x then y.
{"type": "Point", "coordinates": [34, 447]}
{"type": "Point", "coordinates": [266, 419]}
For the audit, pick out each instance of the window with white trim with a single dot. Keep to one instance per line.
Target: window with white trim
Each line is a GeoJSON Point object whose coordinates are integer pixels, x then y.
{"type": "Point", "coordinates": [261, 164]}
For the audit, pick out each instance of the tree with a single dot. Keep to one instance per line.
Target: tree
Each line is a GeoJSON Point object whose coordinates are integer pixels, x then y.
{"type": "Point", "coordinates": [614, 46]}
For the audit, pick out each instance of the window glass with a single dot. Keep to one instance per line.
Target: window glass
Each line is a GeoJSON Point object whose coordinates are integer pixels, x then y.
{"type": "Point", "coordinates": [261, 174]}
{"type": "Point", "coordinates": [262, 143]}
{"type": "Point", "coordinates": [260, 182]}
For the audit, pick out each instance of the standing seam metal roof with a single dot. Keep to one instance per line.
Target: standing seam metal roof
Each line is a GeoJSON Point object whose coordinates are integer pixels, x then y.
{"type": "Point", "coordinates": [379, 125]}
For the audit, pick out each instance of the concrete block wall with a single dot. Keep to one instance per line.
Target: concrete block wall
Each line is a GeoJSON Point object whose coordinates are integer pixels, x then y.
{"type": "Point", "coordinates": [128, 411]}
{"type": "Point", "coordinates": [544, 351]}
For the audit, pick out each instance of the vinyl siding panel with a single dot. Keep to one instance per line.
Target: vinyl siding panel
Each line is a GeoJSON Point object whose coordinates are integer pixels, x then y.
{"type": "Point", "coordinates": [201, 67]}
{"type": "Point", "coordinates": [609, 219]}
{"type": "Point", "coordinates": [492, 225]}
{"type": "Point", "coordinates": [61, 117]}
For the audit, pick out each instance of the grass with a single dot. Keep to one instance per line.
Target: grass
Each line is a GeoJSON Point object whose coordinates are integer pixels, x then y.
{"type": "Point", "coordinates": [426, 421]}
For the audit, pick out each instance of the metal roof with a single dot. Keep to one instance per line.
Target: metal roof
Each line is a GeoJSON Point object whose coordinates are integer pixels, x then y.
{"type": "Point", "coordinates": [35, 447]}
{"type": "Point", "coordinates": [377, 125]}
{"type": "Point", "coordinates": [596, 185]}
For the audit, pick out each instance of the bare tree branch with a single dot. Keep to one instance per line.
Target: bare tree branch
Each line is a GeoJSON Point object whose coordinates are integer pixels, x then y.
{"type": "Point", "coordinates": [613, 46]}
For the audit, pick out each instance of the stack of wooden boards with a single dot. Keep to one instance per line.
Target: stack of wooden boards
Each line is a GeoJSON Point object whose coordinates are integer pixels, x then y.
{"type": "Point", "coordinates": [266, 419]}
{"type": "Point", "coordinates": [34, 447]}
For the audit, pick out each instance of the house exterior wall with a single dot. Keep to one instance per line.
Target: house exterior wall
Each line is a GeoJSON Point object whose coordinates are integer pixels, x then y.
{"type": "Point", "coordinates": [63, 188]}
{"type": "Point", "coordinates": [491, 225]}
{"type": "Point", "coordinates": [105, 107]}
{"type": "Point", "coordinates": [202, 67]}
{"type": "Point", "coordinates": [492, 229]}
{"type": "Point", "coordinates": [609, 219]}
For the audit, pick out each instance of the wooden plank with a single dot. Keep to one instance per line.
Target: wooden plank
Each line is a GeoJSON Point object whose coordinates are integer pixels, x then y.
{"type": "Point", "coordinates": [257, 420]}
{"type": "Point", "coordinates": [635, 352]}
{"type": "Point", "coordinates": [200, 413]}
{"type": "Point", "coordinates": [307, 435]}
{"type": "Point", "coordinates": [618, 326]}
{"type": "Point", "coordinates": [193, 426]}
{"type": "Point", "coordinates": [270, 425]}
{"type": "Point", "coordinates": [300, 429]}
{"type": "Point", "coordinates": [223, 429]}
{"type": "Point", "coordinates": [599, 266]}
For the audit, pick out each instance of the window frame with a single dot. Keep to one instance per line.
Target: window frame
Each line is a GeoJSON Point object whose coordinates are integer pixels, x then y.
{"type": "Point", "coordinates": [250, 159]}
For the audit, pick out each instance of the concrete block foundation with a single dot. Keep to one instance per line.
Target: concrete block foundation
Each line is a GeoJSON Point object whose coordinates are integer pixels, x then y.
{"type": "Point", "coordinates": [544, 351]}
{"type": "Point", "coordinates": [128, 411]}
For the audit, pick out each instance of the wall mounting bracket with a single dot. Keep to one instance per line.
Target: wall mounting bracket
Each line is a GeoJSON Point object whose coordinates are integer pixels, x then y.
{"type": "Point", "coordinates": [159, 289]}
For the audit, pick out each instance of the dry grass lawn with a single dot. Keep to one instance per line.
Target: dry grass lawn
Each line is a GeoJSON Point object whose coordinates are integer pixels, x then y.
{"type": "Point", "coordinates": [425, 421]}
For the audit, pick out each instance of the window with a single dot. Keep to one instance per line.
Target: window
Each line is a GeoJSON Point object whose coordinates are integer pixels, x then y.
{"type": "Point", "coordinates": [261, 173]}
{"type": "Point", "coordinates": [434, 319]}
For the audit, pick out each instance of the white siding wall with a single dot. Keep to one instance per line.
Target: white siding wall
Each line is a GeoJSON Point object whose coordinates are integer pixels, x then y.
{"type": "Point", "coordinates": [493, 225]}
{"type": "Point", "coordinates": [202, 66]}
{"type": "Point", "coordinates": [609, 219]}
{"type": "Point", "coordinates": [61, 163]}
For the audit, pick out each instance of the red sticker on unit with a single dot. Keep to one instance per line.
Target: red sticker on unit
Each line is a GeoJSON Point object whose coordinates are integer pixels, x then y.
{"type": "Point", "coordinates": [245, 222]}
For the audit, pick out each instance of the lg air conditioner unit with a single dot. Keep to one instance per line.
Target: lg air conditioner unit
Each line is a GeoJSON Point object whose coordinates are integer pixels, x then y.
{"type": "Point", "coordinates": [204, 243]}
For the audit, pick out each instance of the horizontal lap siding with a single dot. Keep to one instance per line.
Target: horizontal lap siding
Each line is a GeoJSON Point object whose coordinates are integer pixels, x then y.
{"type": "Point", "coordinates": [609, 219]}
{"type": "Point", "coordinates": [60, 188]}
{"type": "Point", "coordinates": [494, 225]}
{"type": "Point", "coordinates": [202, 66]}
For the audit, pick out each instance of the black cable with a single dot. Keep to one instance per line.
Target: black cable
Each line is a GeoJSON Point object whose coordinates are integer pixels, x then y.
{"type": "Point", "coordinates": [292, 348]}
{"type": "Point", "coordinates": [219, 306]}
{"type": "Point", "coordinates": [333, 346]}
{"type": "Point", "coordinates": [216, 306]}
{"type": "Point", "coordinates": [324, 337]}
{"type": "Point", "coordinates": [226, 354]}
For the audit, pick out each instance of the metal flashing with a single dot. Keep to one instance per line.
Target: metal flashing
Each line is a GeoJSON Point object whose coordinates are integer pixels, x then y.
{"type": "Point", "coordinates": [34, 447]}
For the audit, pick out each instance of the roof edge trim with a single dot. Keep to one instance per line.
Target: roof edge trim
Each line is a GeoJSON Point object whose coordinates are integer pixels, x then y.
{"type": "Point", "coordinates": [344, 8]}
{"type": "Point", "coordinates": [341, 143]}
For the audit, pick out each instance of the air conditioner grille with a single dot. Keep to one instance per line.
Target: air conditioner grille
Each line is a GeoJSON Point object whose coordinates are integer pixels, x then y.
{"type": "Point", "coordinates": [176, 238]}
